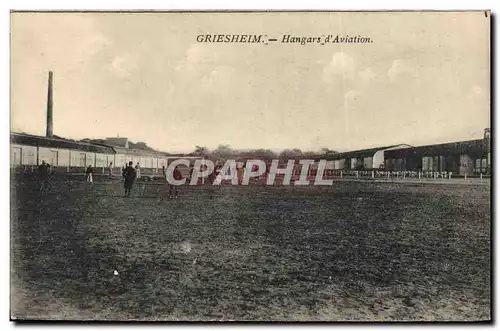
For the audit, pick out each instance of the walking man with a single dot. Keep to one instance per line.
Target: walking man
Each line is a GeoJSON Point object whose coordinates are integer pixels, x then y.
{"type": "Point", "coordinates": [124, 169]}
{"type": "Point", "coordinates": [43, 175]}
{"type": "Point", "coordinates": [129, 175]}
{"type": "Point", "coordinates": [89, 173]}
{"type": "Point", "coordinates": [171, 187]}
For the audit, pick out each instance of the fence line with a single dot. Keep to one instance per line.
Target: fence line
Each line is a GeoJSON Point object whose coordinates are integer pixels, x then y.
{"type": "Point", "coordinates": [382, 174]}
{"type": "Point", "coordinates": [328, 174]}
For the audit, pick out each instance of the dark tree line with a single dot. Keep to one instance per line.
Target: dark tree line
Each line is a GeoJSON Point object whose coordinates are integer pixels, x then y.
{"type": "Point", "coordinates": [226, 152]}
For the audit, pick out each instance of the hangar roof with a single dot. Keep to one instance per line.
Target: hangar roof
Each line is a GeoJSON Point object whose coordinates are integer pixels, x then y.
{"type": "Point", "coordinates": [141, 152]}
{"type": "Point", "coordinates": [31, 140]}
{"type": "Point", "coordinates": [361, 153]}
{"type": "Point", "coordinates": [475, 147]}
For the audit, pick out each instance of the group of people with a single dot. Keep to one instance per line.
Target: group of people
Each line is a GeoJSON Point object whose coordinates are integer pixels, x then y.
{"type": "Point", "coordinates": [172, 189]}
{"type": "Point", "coordinates": [130, 174]}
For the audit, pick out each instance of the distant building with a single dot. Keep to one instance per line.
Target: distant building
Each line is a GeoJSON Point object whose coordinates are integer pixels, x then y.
{"type": "Point", "coordinates": [27, 150]}
{"type": "Point", "coordinates": [117, 142]}
{"type": "Point", "coordinates": [365, 159]}
{"type": "Point", "coordinates": [461, 157]}
{"type": "Point", "coordinates": [67, 155]}
{"type": "Point", "coordinates": [487, 138]}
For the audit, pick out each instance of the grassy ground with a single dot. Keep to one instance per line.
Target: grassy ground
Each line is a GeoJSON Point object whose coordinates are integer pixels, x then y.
{"type": "Point", "coordinates": [352, 251]}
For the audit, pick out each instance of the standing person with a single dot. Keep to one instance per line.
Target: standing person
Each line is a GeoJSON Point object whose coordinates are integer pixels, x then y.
{"type": "Point", "coordinates": [212, 176]}
{"type": "Point", "coordinates": [171, 187]}
{"type": "Point", "coordinates": [218, 180]}
{"type": "Point", "coordinates": [129, 175]}
{"type": "Point", "coordinates": [43, 176]}
{"type": "Point", "coordinates": [240, 171]}
{"type": "Point", "coordinates": [124, 169]}
{"type": "Point", "coordinates": [89, 173]}
{"type": "Point", "coordinates": [218, 177]}
{"type": "Point", "coordinates": [164, 172]}
{"type": "Point", "coordinates": [191, 169]}
{"type": "Point", "coordinates": [110, 170]}
{"type": "Point", "coordinates": [138, 170]}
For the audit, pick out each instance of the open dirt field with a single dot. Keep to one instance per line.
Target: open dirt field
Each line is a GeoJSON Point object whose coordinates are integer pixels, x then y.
{"type": "Point", "coordinates": [351, 251]}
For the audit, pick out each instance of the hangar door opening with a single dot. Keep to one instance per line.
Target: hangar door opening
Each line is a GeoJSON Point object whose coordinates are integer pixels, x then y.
{"type": "Point", "coordinates": [16, 156]}
{"type": "Point", "coordinates": [82, 159]}
{"type": "Point", "coordinates": [53, 158]}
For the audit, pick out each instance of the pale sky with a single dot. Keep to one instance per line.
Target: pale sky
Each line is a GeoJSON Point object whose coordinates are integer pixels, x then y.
{"type": "Point", "coordinates": [425, 79]}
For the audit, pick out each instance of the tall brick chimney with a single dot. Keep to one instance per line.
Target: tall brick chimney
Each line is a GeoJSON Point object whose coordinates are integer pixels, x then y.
{"type": "Point", "coordinates": [50, 129]}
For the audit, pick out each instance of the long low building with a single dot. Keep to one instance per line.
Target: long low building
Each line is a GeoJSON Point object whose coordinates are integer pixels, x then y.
{"type": "Point", "coordinates": [32, 150]}
{"type": "Point", "coordinates": [462, 157]}
{"type": "Point", "coordinates": [67, 155]}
